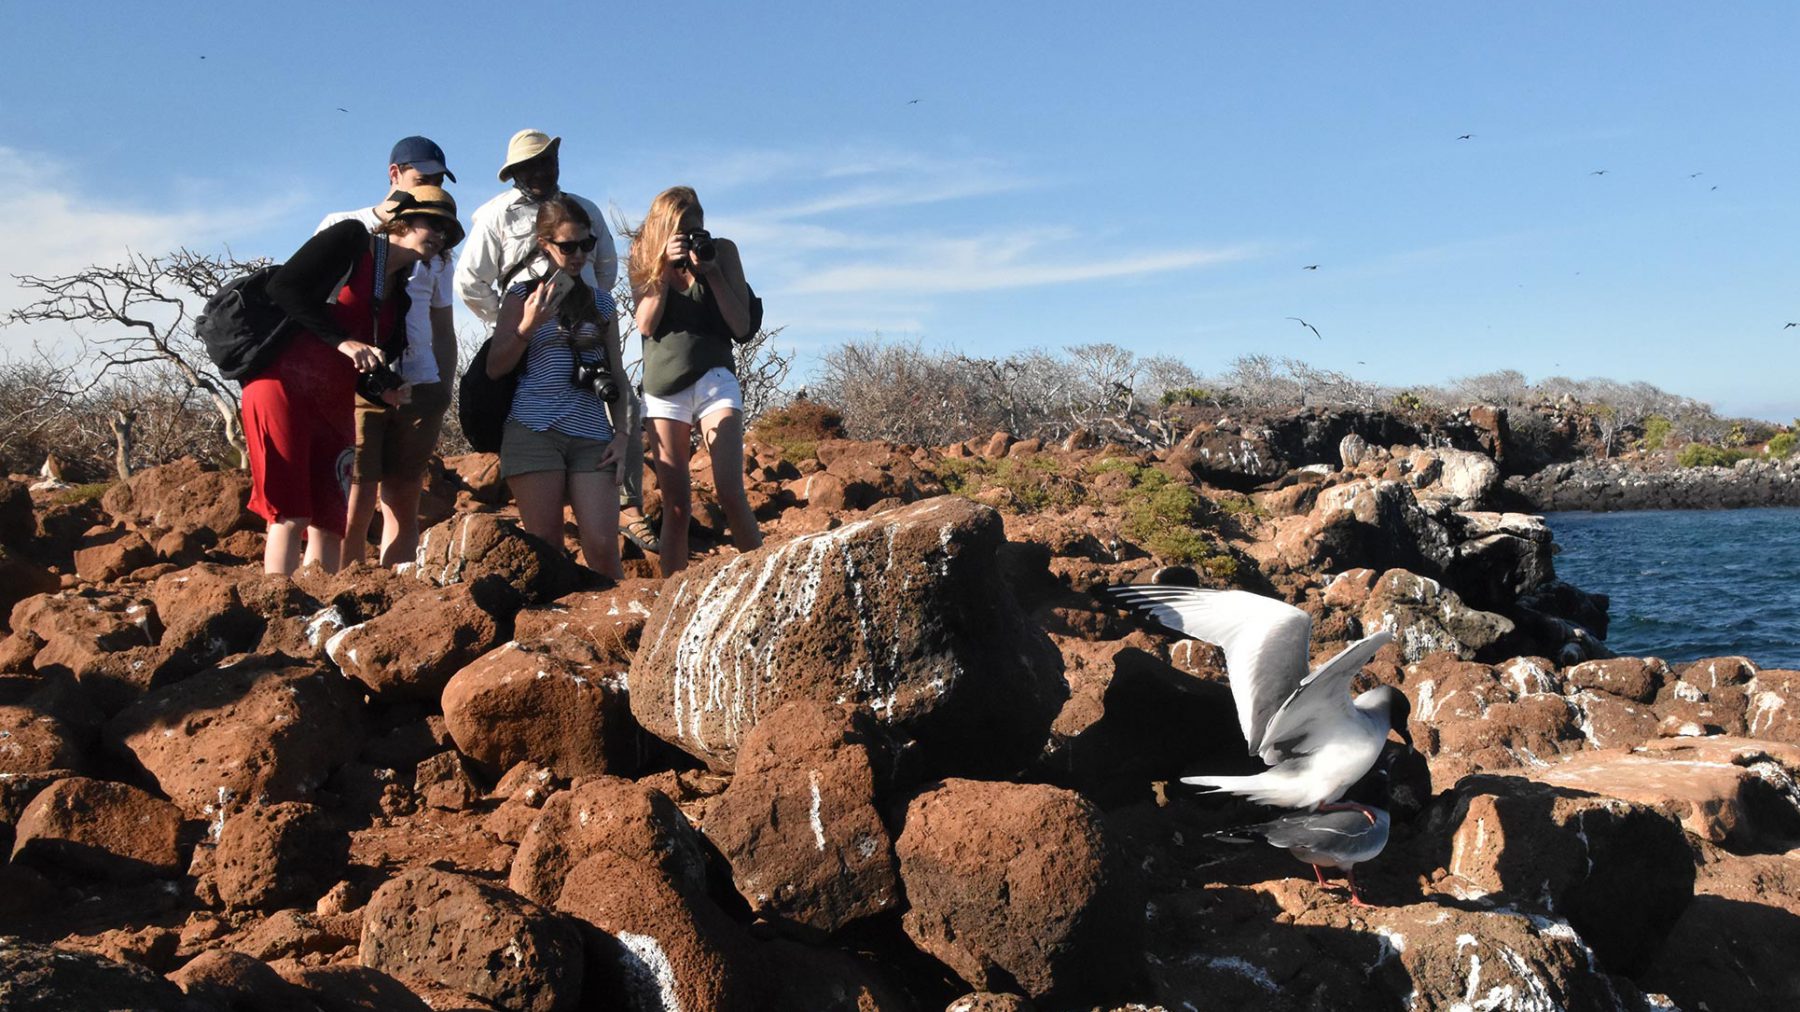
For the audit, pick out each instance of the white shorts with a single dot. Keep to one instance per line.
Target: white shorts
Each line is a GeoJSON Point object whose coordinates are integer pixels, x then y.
{"type": "Point", "coordinates": [716, 389]}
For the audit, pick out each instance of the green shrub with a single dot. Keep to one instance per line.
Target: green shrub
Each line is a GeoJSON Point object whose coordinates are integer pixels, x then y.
{"type": "Point", "coordinates": [1187, 397]}
{"type": "Point", "coordinates": [1781, 445]}
{"type": "Point", "coordinates": [797, 428]}
{"type": "Point", "coordinates": [964, 475]}
{"type": "Point", "coordinates": [1702, 455]}
{"type": "Point", "coordinates": [1036, 482]}
{"type": "Point", "coordinates": [1406, 400]}
{"type": "Point", "coordinates": [1656, 432]}
{"type": "Point", "coordinates": [82, 493]}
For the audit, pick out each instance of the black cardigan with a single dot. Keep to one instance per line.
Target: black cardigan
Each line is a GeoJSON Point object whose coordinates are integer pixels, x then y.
{"type": "Point", "coordinates": [307, 284]}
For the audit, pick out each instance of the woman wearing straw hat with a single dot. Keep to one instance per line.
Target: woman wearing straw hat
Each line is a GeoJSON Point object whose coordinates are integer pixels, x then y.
{"type": "Point", "coordinates": [345, 293]}
{"type": "Point", "coordinates": [572, 410]}
{"type": "Point", "coordinates": [693, 304]}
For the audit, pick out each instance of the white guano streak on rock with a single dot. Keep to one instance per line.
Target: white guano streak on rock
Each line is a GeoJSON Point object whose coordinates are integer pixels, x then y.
{"type": "Point", "coordinates": [818, 825]}
{"type": "Point", "coordinates": [1763, 707]}
{"type": "Point", "coordinates": [1245, 969]}
{"type": "Point", "coordinates": [649, 977]}
{"type": "Point", "coordinates": [335, 644]}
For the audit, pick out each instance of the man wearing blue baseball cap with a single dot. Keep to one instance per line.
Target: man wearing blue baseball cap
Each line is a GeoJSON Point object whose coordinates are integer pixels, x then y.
{"type": "Point", "coordinates": [394, 445]}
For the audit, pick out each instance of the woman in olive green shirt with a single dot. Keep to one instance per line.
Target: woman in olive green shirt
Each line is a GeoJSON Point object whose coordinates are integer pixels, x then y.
{"type": "Point", "coordinates": [693, 305]}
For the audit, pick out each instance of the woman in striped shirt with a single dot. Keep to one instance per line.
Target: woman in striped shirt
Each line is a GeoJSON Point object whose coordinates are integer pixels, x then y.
{"type": "Point", "coordinates": [559, 446]}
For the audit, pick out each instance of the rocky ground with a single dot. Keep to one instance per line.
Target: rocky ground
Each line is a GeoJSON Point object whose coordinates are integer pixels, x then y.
{"type": "Point", "coordinates": [900, 758]}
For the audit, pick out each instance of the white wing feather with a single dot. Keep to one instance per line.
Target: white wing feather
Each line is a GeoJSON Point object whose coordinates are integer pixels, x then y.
{"type": "Point", "coordinates": [1266, 643]}
{"type": "Point", "coordinates": [1320, 708]}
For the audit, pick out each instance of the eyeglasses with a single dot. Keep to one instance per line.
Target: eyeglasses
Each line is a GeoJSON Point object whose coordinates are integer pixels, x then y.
{"type": "Point", "coordinates": [570, 247]}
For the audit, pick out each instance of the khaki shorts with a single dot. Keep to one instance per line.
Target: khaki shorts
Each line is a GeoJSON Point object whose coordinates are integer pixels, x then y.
{"type": "Point", "coordinates": [524, 451]}
{"type": "Point", "coordinates": [397, 443]}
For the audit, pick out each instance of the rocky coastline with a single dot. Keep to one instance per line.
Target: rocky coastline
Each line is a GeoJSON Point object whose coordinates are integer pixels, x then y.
{"type": "Point", "coordinates": [901, 758]}
{"type": "Point", "coordinates": [1607, 485]}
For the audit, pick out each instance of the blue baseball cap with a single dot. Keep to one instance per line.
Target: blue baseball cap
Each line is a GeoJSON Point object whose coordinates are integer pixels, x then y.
{"type": "Point", "coordinates": [421, 153]}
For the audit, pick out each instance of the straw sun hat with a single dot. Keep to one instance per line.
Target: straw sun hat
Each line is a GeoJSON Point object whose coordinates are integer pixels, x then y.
{"type": "Point", "coordinates": [435, 202]}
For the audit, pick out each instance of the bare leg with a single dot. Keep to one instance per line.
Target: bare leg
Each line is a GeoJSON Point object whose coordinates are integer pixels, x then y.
{"type": "Point", "coordinates": [596, 503]}
{"type": "Point", "coordinates": [281, 551]}
{"type": "Point", "coordinates": [669, 442]}
{"type": "Point", "coordinates": [723, 433]}
{"type": "Point", "coordinates": [363, 496]}
{"type": "Point", "coordinates": [324, 549]}
{"type": "Point", "coordinates": [1319, 874]}
{"type": "Point", "coordinates": [400, 519]}
{"type": "Point", "coordinates": [540, 498]}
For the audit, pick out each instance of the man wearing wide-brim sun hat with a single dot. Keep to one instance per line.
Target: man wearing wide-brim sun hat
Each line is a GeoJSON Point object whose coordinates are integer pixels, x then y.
{"type": "Point", "coordinates": [502, 248]}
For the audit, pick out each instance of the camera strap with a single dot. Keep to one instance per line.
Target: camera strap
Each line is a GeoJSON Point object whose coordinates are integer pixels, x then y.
{"type": "Point", "coordinates": [378, 289]}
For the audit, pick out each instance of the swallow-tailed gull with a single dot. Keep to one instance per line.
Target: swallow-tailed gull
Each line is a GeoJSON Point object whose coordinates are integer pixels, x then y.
{"type": "Point", "coordinates": [1343, 836]}
{"type": "Point", "coordinates": [1316, 739]}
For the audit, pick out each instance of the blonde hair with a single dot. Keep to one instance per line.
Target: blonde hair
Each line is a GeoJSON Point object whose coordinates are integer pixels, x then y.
{"type": "Point", "coordinates": [649, 268]}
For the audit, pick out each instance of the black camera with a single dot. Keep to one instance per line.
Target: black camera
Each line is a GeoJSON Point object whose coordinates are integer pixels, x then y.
{"type": "Point", "coordinates": [700, 243]}
{"type": "Point", "coordinates": [378, 381]}
{"type": "Point", "coordinates": [595, 378]}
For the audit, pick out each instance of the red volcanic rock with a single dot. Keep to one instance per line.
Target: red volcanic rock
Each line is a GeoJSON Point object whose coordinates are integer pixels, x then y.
{"type": "Point", "coordinates": [1426, 616]}
{"type": "Point", "coordinates": [442, 782]}
{"type": "Point", "coordinates": [410, 650]}
{"type": "Point", "coordinates": [591, 626]}
{"type": "Point", "coordinates": [40, 978]}
{"type": "Point", "coordinates": [98, 622]}
{"type": "Point", "coordinates": [346, 987]}
{"type": "Point", "coordinates": [20, 578]}
{"type": "Point", "coordinates": [1733, 948]}
{"type": "Point", "coordinates": [183, 496]}
{"type": "Point", "coordinates": [513, 704]}
{"type": "Point", "coordinates": [296, 934]}
{"type": "Point", "coordinates": [271, 856]}
{"type": "Point", "coordinates": [821, 489]}
{"type": "Point", "coordinates": [203, 613]}
{"type": "Point", "coordinates": [467, 547]}
{"type": "Point", "coordinates": [478, 938]}
{"type": "Point", "coordinates": [1633, 678]}
{"type": "Point", "coordinates": [1016, 885]}
{"type": "Point", "coordinates": [224, 979]}
{"type": "Point", "coordinates": [1607, 721]}
{"type": "Point", "coordinates": [988, 1001]}
{"type": "Point", "coordinates": [100, 829]}
{"type": "Point", "coordinates": [480, 473]}
{"type": "Point", "coordinates": [1727, 791]}
{"type": "Point", "coordinates": [32, 740]}
{"type": "Point", "coordinates": [18, 521]}
{"type": "Point", "coordinates": [658, 945]}
{"type": "Point", "coordinates": [903, 612]}
{"type": "Point", "coordinates": [138, 497]}
{"type": "Point", "coordinates": [609, 815]}
{"type": "Point", "coordinates": [798, 823]}
{"type": "Point", "coordinates": [1620, 873]}
{"type": "Point", "coordinates": [1774, 706]}
{"type": "Point", "coordinates": [1469, 717]}
{"type": "Point", "coordinates": [262, 729]}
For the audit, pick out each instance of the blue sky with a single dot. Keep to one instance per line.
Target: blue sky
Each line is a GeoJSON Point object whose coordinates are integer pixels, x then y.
{"type": "Point", "coordinates": [1156, 175]}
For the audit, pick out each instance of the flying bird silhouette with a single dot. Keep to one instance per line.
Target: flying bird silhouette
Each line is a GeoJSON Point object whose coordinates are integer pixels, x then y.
{"type": "Point", "coordinates": [1317, 741]}
{"type": "Point", "coordinates": [1598, 172]}
{"type": "Point", "coordinates": [1464, 137]}
{"type": "Point", "coordinates": [342, 109]}
{"type": "Point", "coordinates": [1308, 326]}
{"type": "Point", "coordinates": [1791, 325]}
{"type": "Point", "coordinates": [1310, 267]}
{"type": "Point", "coordinates": [912, 101]}
{"type": "Point", "coordinates": [1695, 175]}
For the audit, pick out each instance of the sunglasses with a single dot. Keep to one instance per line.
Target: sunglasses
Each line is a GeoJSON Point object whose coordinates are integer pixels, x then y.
{"type": "Point", "coordinates": [436, 224]}
{"type": "Point", "coordinates": [572, 246]}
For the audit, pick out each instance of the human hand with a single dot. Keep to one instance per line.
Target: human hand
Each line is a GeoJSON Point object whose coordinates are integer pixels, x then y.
{"type": "Point", "coordinates": [612, 456]}
{"type": "Point", "coordinates": [537, 308]}
{"type": "Point", "coordinates": [365, 357]}
{"type": "Point", "coordinates": [676, 251]}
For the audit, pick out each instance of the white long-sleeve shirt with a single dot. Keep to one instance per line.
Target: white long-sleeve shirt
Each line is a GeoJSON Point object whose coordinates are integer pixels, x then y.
{"type": "Point", "coordinates": [500, 236]}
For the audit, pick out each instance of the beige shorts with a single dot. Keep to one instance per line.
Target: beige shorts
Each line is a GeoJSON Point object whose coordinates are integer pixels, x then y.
{"type": "Point", "coordinates": [397, 443]}
{"type": "Point", "coordinates": [524, 451]}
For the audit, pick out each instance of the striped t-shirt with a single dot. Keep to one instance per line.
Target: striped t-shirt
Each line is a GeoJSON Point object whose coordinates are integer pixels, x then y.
{"type": "Point", "coordinates": [546, 398]}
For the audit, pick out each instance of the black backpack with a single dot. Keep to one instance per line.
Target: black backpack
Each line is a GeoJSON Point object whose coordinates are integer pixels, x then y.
{"type": "Point", "coordinates": [242, 327]}
{"type": "Point", "coordinates": [482, 402]}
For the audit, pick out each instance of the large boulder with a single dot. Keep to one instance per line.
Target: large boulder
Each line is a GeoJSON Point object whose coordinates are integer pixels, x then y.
{"type": "Point", "coordinates": [1619, 873]}
{"type": "Point", "coordinates": [1017, 886]}
{"type": "Point", "coordinates": [230, 980]}
{"type": "Point", "coordinates": [1732, 792]}
{"type": "Point", "coordinates": [20, 578]}
{"type": "Point", "coordinates": [1775, 706]}
{"type": "Point", "coordinates": [111, 554]}
{"type": "Point", "coordinates": [903, 612]}
{"type": "Point", "coordinates": [101, 829]}
{"type": "Point", "coordinates": [799, 825]}
{"type": "Point", "coordinates": [347, 987]}
{"type": "Point", "coordinates": [514, 705]}
{"type": "Point", "coordinates": [39, 978]}
{"type": "Point", "coordinates": [33, 739]}
{"type": "Point", "coordinates": [260, 729]}
{"type": "Point", "coordinates": [607, 815]}
{"type": "Point", "coordinates": [469, 546]}
{"type": "Point", "coordinates": [203, 612]}
{"type": "Point", "coordinates": [657, 944]}
{"type": "Point", "coordinates": [464, 933]}
{"type": "Point", "coordinates": [1425, 616]}
{"type": "Point", "coordinates": [409, 651]}
{"type": "Point", "coordinates": [271, 856]}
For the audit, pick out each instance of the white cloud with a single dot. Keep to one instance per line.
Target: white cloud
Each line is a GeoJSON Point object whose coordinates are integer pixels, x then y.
{"type": "Point", "coordinates": [54, 225]}
{"type": "Point", "coordinates": [962, 268]}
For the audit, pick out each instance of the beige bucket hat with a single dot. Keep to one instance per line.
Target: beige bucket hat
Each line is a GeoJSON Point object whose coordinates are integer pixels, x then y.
{"type": "Point", "coordinates": [524, 146]}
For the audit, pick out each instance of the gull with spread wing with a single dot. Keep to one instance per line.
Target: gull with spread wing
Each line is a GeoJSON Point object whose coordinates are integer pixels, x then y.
{"type": "Point", "coordinates": [1315, 738]}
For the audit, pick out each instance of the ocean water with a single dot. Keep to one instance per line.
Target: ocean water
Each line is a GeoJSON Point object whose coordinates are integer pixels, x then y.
{"type": "Point", "coordinates": [1687, 584]}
